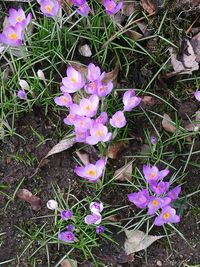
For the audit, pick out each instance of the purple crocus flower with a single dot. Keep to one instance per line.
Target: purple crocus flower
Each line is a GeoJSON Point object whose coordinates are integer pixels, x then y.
{"type": "Point", "coordinates": [112, 7]}
{"type": "Point", "coordinates": [94, 72]}
{"type": "Point", "coordinates": [155, 203]}
{"type": "Point", "coordinates": [69, 120]}
{"type": "Point", "coordinates": [98, 133]}
{"type": "Point", "coordinates": [153, 173]}
{"type": "Point", "coordinates": [22, 94]}
{"type": "Point", "coordinates": [66, 214]}
{"type": "Point", "coordinates": [12, 35]}
{"type": "Point", "coordinates": [96, 207]}
{"type": "Point", "coordinates": [100, 229]}
{"type": "Point", "coordinates": [159, 188]}
{"type": "Point", "coordinates": [102, 118]}
{"type": "Point", "coordinates": [118, 120]}
{"type": "Point", "coordinates": [49, 7]}
{"type": "Point", "coordinates": [91, 88]}
{"type": "Point", "coordinates": [153, 140]}
{"type": "Point", "coordinates": [73, 82]}
{"type": "Point", "coordinates": [83, 9]}
{"type": "Point", "coordinates": [64, 100]}
{"type": "Point", "coordinates": [81, 135]}
{"type": "Point", "coordinates": [130, 100]}
{"type": "Point", "coordinates": [104, 89]}
{"type": "Point", "coordinates": [140, 199]}
{"type": "Point", "coordinates": [91, 172]}
{"type": "Point", "coordinates": [18, 17]}
{"type": "Point", "coordinates": [94, 218]}
{"type": "Point", "coordinates": [197, 95]}
{"type": "Point", "coordinates": [89, 106]}
{"type": "Point", "coordinates": [174, 193]}
{"type": "Point", "coordinates": [66, 236]}
{"type": "Point", "coordinates": [168, 215]}
{"type": "Point", "coordinates": [70, 227]}
{"type": "Point", "coordinates": [82, 123]}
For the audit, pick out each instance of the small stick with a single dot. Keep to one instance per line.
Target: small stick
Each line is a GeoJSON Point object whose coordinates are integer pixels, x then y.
{"type": "Point", "coordinates": [189, 29]}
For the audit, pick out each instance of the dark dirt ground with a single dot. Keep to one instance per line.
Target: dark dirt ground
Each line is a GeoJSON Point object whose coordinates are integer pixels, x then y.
{"type": "Point", "coordinates": [59, 170]}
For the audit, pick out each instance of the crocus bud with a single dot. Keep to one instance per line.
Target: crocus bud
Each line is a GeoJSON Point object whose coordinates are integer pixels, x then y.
{"type": "Point", "coordinates": [22, 94]}
{"type": "Point", "coordinates": [40, 75]}
{"type": "Point", "coordinates": [52, 204]}
{"type": "Point", "coordinates": [24, 85]}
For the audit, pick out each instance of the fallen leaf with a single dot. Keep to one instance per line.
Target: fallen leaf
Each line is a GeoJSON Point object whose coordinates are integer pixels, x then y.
{"type": "Point", "coordinates": [111, 76]}
{"type": "Point", "coordinates": [128, 8]}
{"type": "Point", "coordinates": [195, 42]}
{"type": "Point", "coordinates": [124, 173]}
{"type": "Point", "coordinates": [133, 35]}
{"type": "Point", "coordinates": [69, 263]}
{"type": "Point", "coordinates": [114, 149]}
{"type": "Point", "coordinates": [27, 196]}
{"type": "Point", "coordinates": [138, 240]}
{"type": "Point", "coordinates": [186, 63]}
{"type": "Point", "coordinates": [148, 100]}
{"type": "Point", "coordinates": [84, 157]}
{"type": "Point", "coordinates": [148, 5]}
{"type": "Point", "coordinates": [168, 124]}
{"type": "Point", "coordinates": [194, 126]}
{"type": "Point", "coordinates": [112, 218]}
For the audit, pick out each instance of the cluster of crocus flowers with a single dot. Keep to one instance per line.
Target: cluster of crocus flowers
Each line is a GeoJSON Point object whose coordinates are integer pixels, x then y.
{"type": "Point", "coordinates": [91, 172]}
{"type": "Point", "coordinates": [157, 196]}
{"type": "Point", "coordinates": [95, 217]}
{"type": "Point", "coordinates": [49, 8]}
{"type": "Point", "coordinates": [90, 125]}
{"type": "Point", "coordinates": [14, 26]}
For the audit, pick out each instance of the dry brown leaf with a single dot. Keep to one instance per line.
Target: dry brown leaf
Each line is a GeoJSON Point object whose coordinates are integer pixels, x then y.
{"type": "Point", "coordinates": [148, 5]}
{"type": "Point", "coordinates": [148, 100]}
{"type": "Point", "coordinates": [112, 218]}
{"type": "Point", "coordinates": [195, 42]}
{"type": "Point", "coordinates": [124, 173]}
{"type": "Point", "coordinates": [128, 8]}
{"type": "Point", "coordinates": [69, 263]}
{"type": "Point", "coordinates": [133, 35]}
{"type": "Point", "coordinates": [27, 196]}
{"type": "Point", "coordinates": [114, 149]}
{"type": "Point", "coordinates": [84, 157]}
{"type": "Point", "coordinates": [138, 240]}
{"type": "Point", "coordinates": [167, 124]}
{"type": "Point", "coordinates": [195, 126]}
{"type": "Point", "coordinates": [111, 76]}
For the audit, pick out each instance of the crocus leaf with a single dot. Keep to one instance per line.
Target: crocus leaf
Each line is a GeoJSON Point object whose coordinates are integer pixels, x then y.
{"type": "Point", "coordinates": [138, 240]}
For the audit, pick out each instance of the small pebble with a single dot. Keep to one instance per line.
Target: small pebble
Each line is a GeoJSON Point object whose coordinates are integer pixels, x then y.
{"type": "Point", "coordinates": [159, 263]}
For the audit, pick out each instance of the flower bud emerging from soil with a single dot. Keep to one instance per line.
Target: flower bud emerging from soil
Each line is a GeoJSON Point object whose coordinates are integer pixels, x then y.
{"type": "Point", "coordinates": [52, 204]}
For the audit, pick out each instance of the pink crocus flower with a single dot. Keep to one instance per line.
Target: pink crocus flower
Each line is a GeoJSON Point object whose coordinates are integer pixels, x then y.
{"type": "Point", "coordinates": [167, 215]}
{"type": "Point", "coordinates": [98, 133]}
{"type": "Point", "coordinates": [112, 7]}
{"type": "Point", "coordinates": [140, 199]}
{"type": "Point", "coordinates": [130, 100]}
{"type": "Point", "coordinates": [94, 72]}
{"type": "Point", "coordinates": [49, 7]}
{"type": "Point", "coordinates": [197, 95]}
{"type": "Point", "coordinates": [118, 120]}
{"type": "Point", "coordinates": [102, 118]}
{"type": "Point", "coordinates": [64, 100]}
{"type": "Point", "coordinates": [91, 172]}
{"type": "Point", "coordinates": [69, 120]}
{"type": "Point", "coordinates": [12, 35]}
{"type": "Point", "coordinates": [91, 88]}
{"type": "Point", "coordinates": [94, 218]}
{"type": "Point", "coordinates": [18, 16]}
{"type": "Point", "coordinates": [155, 203]}
{"type": "Point", "coordinates": [82, 123]}
{"type": "Point", "coordinates": [104, 89]}
{"type": "Point", "coordinates": [89, 106]}
{"type": "Point", "coordinates": [81, 135]}
{"type": "Point", "coordinates": [153, 173]}
{"type": "Point", "coordinates": [73, 82]}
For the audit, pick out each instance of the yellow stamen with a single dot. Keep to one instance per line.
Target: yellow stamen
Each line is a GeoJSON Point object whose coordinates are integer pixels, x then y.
{"type": "Point", "coordinates": [110, 6]}
{"type": "Point", "coordinates": [152, 175]}
{"type": "Point", "coordinates": [166, 215]}
{"type": "Point", "coordinates": [99, 133]}
{"type": "Point", "coordinates": [19, 19]}
{"type": "Point", "coordinates": [91, 172]}
{"type": "Point", "coordinates": [73, 79]}
{"type": "Point", "coordinates": [102, 88]}
{"type": "Point", "coordinates": [154, 203]}
{"type": "Point", "coordinates": [48, 8]}
{"type": "Point", "coordinates": [88, 107]}
{"type": "Point", "coordinates": [65, 99]}
{"type": "Point", "coordinates": [13, 36]}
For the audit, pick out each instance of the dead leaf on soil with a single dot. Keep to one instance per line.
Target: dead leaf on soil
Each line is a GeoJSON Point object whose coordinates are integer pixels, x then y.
{"type": "Point", "coordinates": [168, 124]}
{"type": "Point", "coordinates": [138, 240]}
{"type": "Point", "coordinates": [148, 5]}
{"type": "Point", "coordinates": [195, 126]}
{"type": "Point", "coordinates": [187, 62]}
{"type": "Point", "coordinates": [195, 42]}
{"type": "Point", "coordinates": [69, 263]}
{"type": "Point", "coordinates": [111, 76]}
{"type": "Point", "coordinates": [124, 173]}
{"type": "Point", "coordinates": [115, 148]}
{"type": "Point", "coordinates": [133, 35]}
{"type": "Point", "coordinates": [27, 196]}
{"type": "Point", "coordinates": [128, 8]}
{"type": "Point", "coordinates": [148, 100]}
{"type": "Point", "coordinates": [84, 157]}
